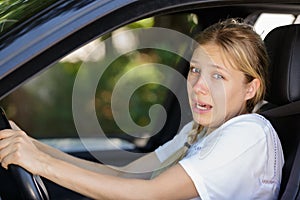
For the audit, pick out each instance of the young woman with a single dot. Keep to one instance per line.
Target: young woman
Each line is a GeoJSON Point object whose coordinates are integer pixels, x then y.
{"type": "Point", "coordinates": [227, 152]}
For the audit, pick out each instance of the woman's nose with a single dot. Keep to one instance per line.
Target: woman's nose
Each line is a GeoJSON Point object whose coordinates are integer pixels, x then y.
{"type": "Point", "coordinates": [200, 85]}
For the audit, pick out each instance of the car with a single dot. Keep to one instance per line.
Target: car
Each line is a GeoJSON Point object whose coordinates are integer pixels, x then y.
{"type": "Point", "coordinates": [104, 80]}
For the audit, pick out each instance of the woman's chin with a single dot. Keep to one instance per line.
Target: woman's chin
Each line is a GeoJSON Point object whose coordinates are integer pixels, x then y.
{"type": "Point", "coordinates": [203, 121]}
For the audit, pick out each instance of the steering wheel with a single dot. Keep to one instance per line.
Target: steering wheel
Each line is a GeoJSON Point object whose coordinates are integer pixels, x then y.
{"type": "Point", "coordinates": [19, 183]}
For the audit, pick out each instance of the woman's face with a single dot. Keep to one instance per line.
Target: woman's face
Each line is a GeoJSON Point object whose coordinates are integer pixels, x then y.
{"type": "Point", "coordinates": [217, 92]}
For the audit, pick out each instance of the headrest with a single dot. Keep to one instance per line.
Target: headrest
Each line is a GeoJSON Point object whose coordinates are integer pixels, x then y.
{"type": "Point", "coordinates": [283, 46]}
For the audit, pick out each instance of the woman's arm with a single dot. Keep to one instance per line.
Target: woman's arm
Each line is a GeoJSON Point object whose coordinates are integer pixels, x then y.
{"type": "Point", "coordinates": [169, 185]}
{"type": "Point", "coordinates": [92, 166]}
{"type": "Point", "coordinates": [140, 168]}
{"type": "Point", "coordinates": [17, 148]}
{"type": "Point", "coordinates": [96, 167]}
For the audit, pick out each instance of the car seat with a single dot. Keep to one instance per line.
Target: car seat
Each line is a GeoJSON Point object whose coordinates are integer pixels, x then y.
{"type": "Point", "coordinates": [283, 93]}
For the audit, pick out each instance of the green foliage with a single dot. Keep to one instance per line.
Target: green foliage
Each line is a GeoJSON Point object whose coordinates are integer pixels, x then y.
{"type": "Point", "coordinates": [17, 11]}
{"type": "Point", "coordinates": [143, 98]}
{"type": "Point", "coordinates": [43, 106]}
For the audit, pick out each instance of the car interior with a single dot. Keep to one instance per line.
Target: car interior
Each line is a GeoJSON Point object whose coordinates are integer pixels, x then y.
{"type": "Point", "coordinates": [282, 105]}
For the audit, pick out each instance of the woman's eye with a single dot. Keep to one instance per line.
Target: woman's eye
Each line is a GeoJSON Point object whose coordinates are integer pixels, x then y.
{"type": "Point", "coordinates": [194, 70]}
{"type": "Point", "coordinates": [218, 76]}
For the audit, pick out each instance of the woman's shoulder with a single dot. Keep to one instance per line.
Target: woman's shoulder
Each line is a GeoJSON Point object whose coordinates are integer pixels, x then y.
{"type": "Point", "coordinates": [251, 117]}
{"type": "Point", "coordinates": [249, 127]}
{"type": "Point", "coordinates": [247, 120]}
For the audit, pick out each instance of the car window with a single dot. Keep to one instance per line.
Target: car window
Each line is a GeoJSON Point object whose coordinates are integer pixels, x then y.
{"type": "Point", "coordinates": [268, 21]}
{"type": "Point", "coordinates": [13, 12]}
{"type": "Point", "coordinates": [43, 105]}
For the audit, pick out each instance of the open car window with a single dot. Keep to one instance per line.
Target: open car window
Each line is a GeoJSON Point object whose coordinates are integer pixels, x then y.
{"type": "Point", "coordinates": [44, 105]}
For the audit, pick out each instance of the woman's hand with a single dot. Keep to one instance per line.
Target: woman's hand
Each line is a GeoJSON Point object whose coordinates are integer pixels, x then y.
{"type": "Point", "coordinates": [16, 147]}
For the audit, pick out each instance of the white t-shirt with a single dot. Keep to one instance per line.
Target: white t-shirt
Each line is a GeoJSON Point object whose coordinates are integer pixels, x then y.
{"type": "Point", "coordinates": [242, 159]}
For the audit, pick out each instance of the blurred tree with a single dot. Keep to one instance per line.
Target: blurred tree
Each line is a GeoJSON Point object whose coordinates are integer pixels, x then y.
{"type": "Point", "coordinates": [43, 106]}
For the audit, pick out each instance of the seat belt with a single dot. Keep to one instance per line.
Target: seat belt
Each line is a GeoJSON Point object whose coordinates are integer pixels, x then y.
{"type": "Point", "coordinates": [285, 110]}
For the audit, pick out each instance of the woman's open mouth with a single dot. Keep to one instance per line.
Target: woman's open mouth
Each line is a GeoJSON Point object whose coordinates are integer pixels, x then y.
{"type": "Point", "coordinates": [200, 107]}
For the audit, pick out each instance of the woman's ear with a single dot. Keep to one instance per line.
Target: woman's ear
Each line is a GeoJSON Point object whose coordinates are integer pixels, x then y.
{"type": "Point", "coordinates": [252, 88]}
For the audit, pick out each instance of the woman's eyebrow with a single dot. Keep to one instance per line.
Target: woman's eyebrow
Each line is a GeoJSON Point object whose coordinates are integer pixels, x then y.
{"type": "Point", "coordinates": [213, 65]}
{"type": "Point", "coordinates": [193, 62]}
{"type": "Point", "coordinates": [220, 68]}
